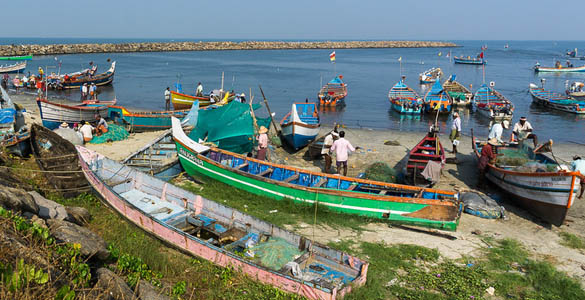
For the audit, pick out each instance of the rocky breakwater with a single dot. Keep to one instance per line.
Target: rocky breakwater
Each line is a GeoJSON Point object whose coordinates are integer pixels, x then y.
{"type": "Point", "coordinates": [13, 50]}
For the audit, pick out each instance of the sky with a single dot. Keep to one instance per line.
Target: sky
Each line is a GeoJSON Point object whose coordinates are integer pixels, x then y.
{"type": "Point", "coordinates": [298, 19]}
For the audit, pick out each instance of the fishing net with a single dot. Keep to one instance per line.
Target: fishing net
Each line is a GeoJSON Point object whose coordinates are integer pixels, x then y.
{"type": "Point", "coordinates": [523, 160]}
{"type": "Point", "coordinates": [380, 171]}
{"type": "Point", "coordinates": [230, 127]}
{"type": "Point", "coordinates": [275, 253]}
{"type": "Point", "coordinates": [115, 133]}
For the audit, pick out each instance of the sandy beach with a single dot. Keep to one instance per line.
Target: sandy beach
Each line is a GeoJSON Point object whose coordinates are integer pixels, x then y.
{"type": "Point", "coordinates": [542, 239]}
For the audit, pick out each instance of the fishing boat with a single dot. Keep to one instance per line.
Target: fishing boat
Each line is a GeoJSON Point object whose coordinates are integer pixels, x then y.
{"type": "Point", "coordinates": [53, 114]}
{"type": "Point", "coordinates": [158, 158]}
{"type": "Point", "coordinates": [183, 101]}
{"type": "Point", "coordinates": [437, 100]}
{"type": "Point", "coordinates": [393, 202]}
{"type": "Point", "coordinates": [575, 90]}
{"type": "Point", "coordinates": [491, 104]}
{"type": "Point", "coordinates": [301, 125]}
{"type": "Point", "coordinates": [14, 68]}
{"type": "Point", "coordinates": [77, 79]}
{"type": "Point", "coordinates": [430, 75]}
{"type": "Point", "coordinates": [58, 160]}
{"type": "Point", "coordinates": [557, 101]}
{"type": "Point", "coordinates": [144, 121]}
{"type": "Point", "coordinates": [404, 99]}
{"type": "Point", "coordinates": [14, 135]}
{"type": "Point", "coordinates": [539, 186]}
{"type": "Point", "coordinates": [333, 93]}
{"type": "Point", "coordinates": [223, 235]}
{"type": "Point", "coordinates": [558, 69]}
{"type": "Point", "coordinates": [23, 57]}
{"type": "Point", "coordinates": [469, 60]}
{"type": "Point", "coordinates": [428, 149]}
{"type": "Point", "coordinates": [457, 92]}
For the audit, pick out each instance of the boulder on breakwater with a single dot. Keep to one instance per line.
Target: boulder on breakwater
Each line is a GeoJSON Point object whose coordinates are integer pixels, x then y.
{"type": "Point", "coordinates": [14, 50]}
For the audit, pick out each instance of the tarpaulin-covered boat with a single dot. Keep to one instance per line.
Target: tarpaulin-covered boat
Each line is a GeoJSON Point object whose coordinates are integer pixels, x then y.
{"type": "Point", "coordinates": [394, 202]}
{"type": "Point", "coordinates": [223, 235]}
{"type": "Point", "coordinates": [301, 125]}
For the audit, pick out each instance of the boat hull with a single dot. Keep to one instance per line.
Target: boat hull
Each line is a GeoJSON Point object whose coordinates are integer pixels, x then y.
{"type": "Point", "coordinates": [360, 204]}
{"type": "Point", "coordinates": [15, 68]}
{"type": "Point", "coordinates": [496, 116]}
{"type": "Point", "coordinates": [18, 144]}
{"type": "Point", "coordinates": [469, 61]}
{"type": "Point", "coordinates": [539, 97]}
{"type": "Point", "coordinates": [53, 114]}
{"type": "Point", "coordinates": [560, 70]}
{"type": "Point", "coordinates": [144, 121]}
{"type": "Point", "coordinates": [298, 136]}
{"type": "Point", "coordinates": [195, 204]}
{"type": "Point", "coordinates": [406, 111]}
{"type": "Point", "coordinates": [445, 108]}
{"type": "Point", "coordinates": [184, 101]}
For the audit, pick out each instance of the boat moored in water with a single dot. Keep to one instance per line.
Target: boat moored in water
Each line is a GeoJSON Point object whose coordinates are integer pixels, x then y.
{"type": "Point", "coordinates": [437, 100]}
{"type": "Point", "coordinates": [53, 114]}
{"type": "Point", "coordinates": [556, 101]}
{"type": "Point", "coordinates": [430, 75]}
{"type": "Point", "coordinates": [333, 93]}
{"type": "Point", "coordinates": [405, 100]}
{"type": "Point", "coordinates": [457, 92]}
{"type": "Point", "coordinates": [14, 68]}
{"type": "Point", "coordinates": [491, 104]}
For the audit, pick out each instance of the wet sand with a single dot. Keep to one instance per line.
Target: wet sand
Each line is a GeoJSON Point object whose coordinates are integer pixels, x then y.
{"type": "Point", "coordinates": [541, 239]}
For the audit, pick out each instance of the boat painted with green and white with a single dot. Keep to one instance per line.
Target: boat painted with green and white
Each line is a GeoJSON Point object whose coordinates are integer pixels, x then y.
{"type": "Point", "coordinates": [394, 202]}
{"type": "Point", "coordinates": [21, 57]}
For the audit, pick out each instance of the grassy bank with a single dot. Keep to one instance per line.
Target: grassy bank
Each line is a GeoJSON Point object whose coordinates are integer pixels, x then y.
{"type": "Point", "coordinates": [396, 272]}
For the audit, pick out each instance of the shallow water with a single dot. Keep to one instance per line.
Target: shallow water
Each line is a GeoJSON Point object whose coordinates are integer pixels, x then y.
{"type": "Point", "coordinates": [294, 75]}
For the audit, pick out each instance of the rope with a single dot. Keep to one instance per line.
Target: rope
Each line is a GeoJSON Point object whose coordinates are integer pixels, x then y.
{"type": "Point", "coordinates": [42, 171]}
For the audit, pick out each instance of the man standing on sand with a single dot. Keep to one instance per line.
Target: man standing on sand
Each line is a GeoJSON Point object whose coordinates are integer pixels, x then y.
{"type": "Point", "coordinates": [262, 143]}
{"type": "Point", "coordinates": [326, 150]}
{"type": "Point", "coordinates": [342, 147]}
{"type": "Point", "coordinates": [168, 99]}
{"type": "Point", "coordinates": [455, 131]}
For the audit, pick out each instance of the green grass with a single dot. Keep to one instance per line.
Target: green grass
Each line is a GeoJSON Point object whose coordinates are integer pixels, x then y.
{"type": "Point", "coordinates": [288, 212]}
{"type": "Point", "coordinates": [572, 241]}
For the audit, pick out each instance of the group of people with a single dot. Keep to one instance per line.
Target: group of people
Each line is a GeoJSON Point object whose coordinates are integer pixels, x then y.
{"type": "Point", "coordinates": [86, 131]}
{"type": "Point", "coordinates": [89, 91]}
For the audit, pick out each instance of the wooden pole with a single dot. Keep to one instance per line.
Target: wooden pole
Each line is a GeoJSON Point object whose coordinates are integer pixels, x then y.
{"type": "Point", "coordinates": [252, 112]}
{"type": "Point", "coordinates": [270, 112]}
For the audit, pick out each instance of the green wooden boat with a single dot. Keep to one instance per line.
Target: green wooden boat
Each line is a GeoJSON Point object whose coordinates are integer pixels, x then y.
{"type": "Point", "coordinates": [23, 57]}
{"type": "Point", "coordinates": [394, 202]}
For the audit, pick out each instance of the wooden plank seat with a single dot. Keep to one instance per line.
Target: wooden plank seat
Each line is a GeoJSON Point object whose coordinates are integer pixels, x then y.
{"type": "Point", "coordinates": [242, 166]}
{"type": "Point", "coordinates": [266, 172]}
{"type": "Point", "coordinates": [291, 178]}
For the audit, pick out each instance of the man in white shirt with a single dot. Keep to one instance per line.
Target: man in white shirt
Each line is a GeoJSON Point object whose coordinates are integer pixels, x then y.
{"type": "Point", "coordinates": [168, 99]}
{"type": "Point", "coordinates": [342, 147]}
{"type": "Point", "coordinates": [455, 131]}
{"type": "Point", "coordinates": [87, 131]}
{"type": "Point", "coordinates": [523, 130]}
{"type": "Point", "coordinates": [326, 150]}
{"type": "Point", "coordinates": [84, 91]}
{"type": "Point", "coordinates": [497, 130]}
{"type": "Point", "coordinates": [199, 90]}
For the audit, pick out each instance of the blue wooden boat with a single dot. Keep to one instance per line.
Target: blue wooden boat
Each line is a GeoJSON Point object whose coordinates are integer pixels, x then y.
{"type": "Point", "coordinates": [437, 99]}
{"type": "Point", "coordinates": [404, 99]}
{"type": "Point", "coordinates": [301, 125]}
{"type": "Point", "coordinates": [491, 104]}
{"type": "Point", "coordinates": [223, 235]}
{"type": "Point", "coordinates": [469, 60]}
{"type": "Point", "coordinates": [144, 121]}
{"type": "Point", "coordinates": [158, 158]}
{"type": "Point", "coordinates": [557, 101]}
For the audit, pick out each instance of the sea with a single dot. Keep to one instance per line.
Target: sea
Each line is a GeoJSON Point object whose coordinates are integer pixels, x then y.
{"type": "Point", "coordinates": [288, 76]}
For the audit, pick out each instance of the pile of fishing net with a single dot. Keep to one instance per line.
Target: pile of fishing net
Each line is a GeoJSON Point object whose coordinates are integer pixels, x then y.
{"type": "Point", "coordinates": [115, 133]}
{"type": "Point", "coordinates": [275, 253]}
{"type": "Point", "coordinates": [380, 171]}
{"type": "Point", "coordinates": [523, 161]}
{"type": "Point", "coordinates": [482, 205]}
